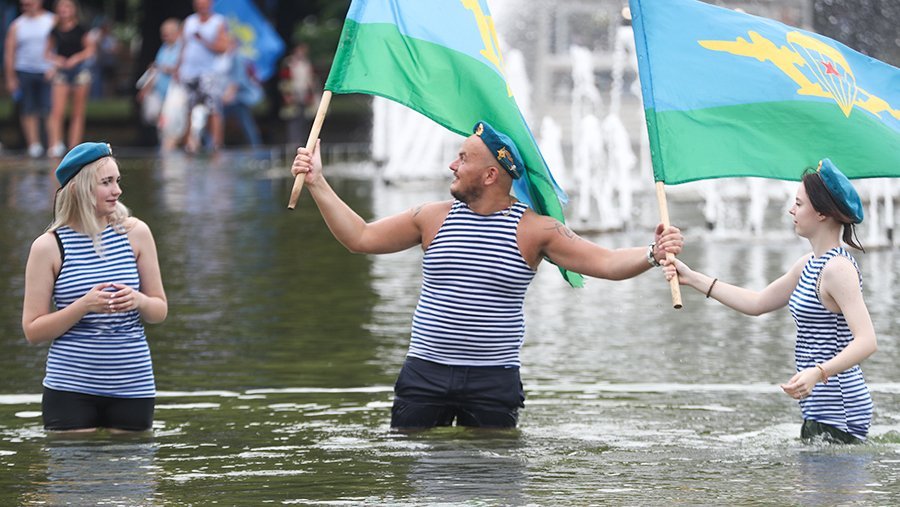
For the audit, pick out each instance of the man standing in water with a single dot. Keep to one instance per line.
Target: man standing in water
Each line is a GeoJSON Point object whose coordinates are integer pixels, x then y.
{"type": "Point", "coordinates": [482, 250]}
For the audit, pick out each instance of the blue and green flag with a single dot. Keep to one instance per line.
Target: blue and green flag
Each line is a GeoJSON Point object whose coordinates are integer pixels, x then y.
{"type": "Point", "coordinates": [258, 41]}
{"type": "Point", "coordinates": [442, 59]}
{"type": "Point", "coordinates": [730, 94]}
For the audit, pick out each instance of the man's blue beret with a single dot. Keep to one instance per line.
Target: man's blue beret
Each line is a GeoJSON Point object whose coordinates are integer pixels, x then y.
{"type": "Point", "coordinates": [502, 147]}
{"type": "Point", "coordinates": [78, 157]}
{"type": "Point", "coordinates": [841, 190]}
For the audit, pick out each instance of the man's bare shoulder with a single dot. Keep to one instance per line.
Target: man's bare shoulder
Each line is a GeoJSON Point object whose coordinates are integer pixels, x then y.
{"type": "Point", "coordinates": [535, 224]}
{"type": "Point", "coordinates": [431, 210]}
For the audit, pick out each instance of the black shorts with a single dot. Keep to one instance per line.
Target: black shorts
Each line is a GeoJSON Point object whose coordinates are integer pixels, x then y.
{"type": "Point", "coordinates": [429, 394]}
{"type": "Point", "coordinates": [66, 411]}
{"type": "Point", "coordinates": [827, 433]}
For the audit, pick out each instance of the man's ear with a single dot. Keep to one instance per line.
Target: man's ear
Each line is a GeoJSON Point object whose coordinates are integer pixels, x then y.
{"type": "Point", "coordinates": [492, 175]}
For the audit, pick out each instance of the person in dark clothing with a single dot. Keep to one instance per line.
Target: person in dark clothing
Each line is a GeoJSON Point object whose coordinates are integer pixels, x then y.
{"type": "Point", "coordinates": [68, 48]}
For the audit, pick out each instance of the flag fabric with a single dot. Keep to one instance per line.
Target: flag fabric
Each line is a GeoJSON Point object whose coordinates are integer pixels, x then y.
{"type": "Point", "coordinates": [258, 41]}
{"type": "Point", "coordinates": [442, 59]}
{"type": "Point", "coordinates": [731, 94]}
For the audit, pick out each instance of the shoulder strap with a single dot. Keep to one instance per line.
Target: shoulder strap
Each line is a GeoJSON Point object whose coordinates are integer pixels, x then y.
{"type": "Point", "coordinates": [62, 251]}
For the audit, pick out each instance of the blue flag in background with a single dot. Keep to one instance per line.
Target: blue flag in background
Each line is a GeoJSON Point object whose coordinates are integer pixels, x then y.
{"type": "Point", "coordinates": [258, 41]}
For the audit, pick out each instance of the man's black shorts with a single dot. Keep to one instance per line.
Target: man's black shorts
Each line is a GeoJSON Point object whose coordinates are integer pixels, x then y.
{"type": "Point", "coordinates": [66, 411]}
{"type": "Point", "coordinates": [429, 394]}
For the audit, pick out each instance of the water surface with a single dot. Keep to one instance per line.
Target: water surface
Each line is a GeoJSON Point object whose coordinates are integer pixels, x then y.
{"type": "Point", "coordinates": [276, 365]}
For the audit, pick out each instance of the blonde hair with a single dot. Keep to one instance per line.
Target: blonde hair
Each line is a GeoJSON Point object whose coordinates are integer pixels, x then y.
{"type": "Point", "coordinates": [76, 206]}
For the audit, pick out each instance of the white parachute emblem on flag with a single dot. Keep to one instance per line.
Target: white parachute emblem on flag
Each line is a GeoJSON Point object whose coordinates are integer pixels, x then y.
{"type": "Point", "coordinates": [827, 67]}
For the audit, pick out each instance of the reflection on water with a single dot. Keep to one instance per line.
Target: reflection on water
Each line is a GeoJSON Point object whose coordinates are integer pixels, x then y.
{"type": "Point", "coordinates": [95, 470]}
{"type": "Point", "coordinates": [845, 476]}
{"type": "Point", "coordinates": [457, 465]}
{"type": "Point", "coordinates": [276, 365]}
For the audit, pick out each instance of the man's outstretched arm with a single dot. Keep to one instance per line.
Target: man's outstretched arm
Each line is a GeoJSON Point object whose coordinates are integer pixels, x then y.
{"type": "Point", "coordinates": [568, 250]}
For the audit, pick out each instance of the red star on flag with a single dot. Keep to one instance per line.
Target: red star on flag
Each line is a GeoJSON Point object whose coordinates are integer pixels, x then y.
{"type": "Point", "coordinates": [829, 69]}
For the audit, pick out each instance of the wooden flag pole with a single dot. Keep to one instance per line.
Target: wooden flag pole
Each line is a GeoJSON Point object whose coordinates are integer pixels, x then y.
{"type": "Point", "coordinates": [310, 145]}
{"type": "Point", "coordinates": [664, 217]}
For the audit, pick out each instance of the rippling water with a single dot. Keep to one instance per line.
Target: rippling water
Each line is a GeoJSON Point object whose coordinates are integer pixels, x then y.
{"type": "Point", "coordinates": [276, 365]}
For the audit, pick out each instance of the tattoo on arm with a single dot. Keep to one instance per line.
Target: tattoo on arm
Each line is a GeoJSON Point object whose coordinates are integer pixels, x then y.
{"type": "Point", "coordinates": [417, 210]}
{"type": "Point", "coordinates": [562, 230]}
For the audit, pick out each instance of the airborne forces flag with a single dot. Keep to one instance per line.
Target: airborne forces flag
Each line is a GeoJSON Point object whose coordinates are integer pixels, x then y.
{"type": "Point", "coordinates": [442, 59]}
{"type": "Point", "coordinates": [730, 94]}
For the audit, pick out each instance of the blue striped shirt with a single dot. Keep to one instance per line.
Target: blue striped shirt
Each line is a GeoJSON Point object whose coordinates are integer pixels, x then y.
{"type": "Point", "coordinates": [104, 354]}
{"type": "Point", "coordinates": [844, 402]}
{"type": "Point", "coordinates": [471, 309]}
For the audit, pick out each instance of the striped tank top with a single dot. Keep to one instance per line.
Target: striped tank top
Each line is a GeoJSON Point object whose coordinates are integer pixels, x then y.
{"type": "Point", "coordinates": [104, 354]}
{"type": "Point", "coordinates": [844, 402]}
{"type": "Point", "coordinates": [474, 279]}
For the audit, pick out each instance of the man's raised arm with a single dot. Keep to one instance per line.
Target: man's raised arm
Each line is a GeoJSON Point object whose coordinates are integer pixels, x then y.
{"type": "Point", "coordinates": [391, 234]}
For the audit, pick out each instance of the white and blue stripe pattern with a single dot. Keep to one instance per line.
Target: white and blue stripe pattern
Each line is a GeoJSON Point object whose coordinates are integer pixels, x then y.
{"type": "Point", "coordinates": [104, 354]}
{"type": "Point", "coordinates": [844, 402]}
{"type": "Point", "coordinates": [471, 309]}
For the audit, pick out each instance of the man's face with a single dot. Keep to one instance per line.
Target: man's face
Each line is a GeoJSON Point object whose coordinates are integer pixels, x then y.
{"type": "Point", "coordinates": [202, 6]}
{"type": "Point", "coordinates": [29, 5]}
{"type": "Point", "coordinates": [469, 169]}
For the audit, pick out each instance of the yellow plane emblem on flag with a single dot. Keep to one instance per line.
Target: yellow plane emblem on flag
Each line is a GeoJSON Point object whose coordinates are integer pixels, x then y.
{"type": "Point", "coordinates": [488, 32]}
{"type": "Point", "coordinates": [818, 69]}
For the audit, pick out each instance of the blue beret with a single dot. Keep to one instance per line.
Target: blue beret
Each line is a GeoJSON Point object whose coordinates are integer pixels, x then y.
{"type": "Point", "coordinates": [78, 157]}
{"type": "Point", "coordinates": [502, 147]}
{"type": "Point", "coordinates": [841, 190]}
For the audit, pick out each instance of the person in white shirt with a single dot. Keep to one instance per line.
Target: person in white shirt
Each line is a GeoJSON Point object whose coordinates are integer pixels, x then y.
{"type": "Point", "coordinates": [203, 68]}
{"type": "Point", "coordinates": [26, 66]}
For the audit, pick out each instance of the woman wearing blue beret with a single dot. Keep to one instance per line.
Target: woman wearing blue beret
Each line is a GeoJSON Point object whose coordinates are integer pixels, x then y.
{"type": "Point", "coordinates": [98, 267]}
{"type": "Point", "coordinates": [823, 291]}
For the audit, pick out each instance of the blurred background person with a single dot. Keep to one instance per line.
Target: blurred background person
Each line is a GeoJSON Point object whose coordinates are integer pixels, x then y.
{"type": "Point", "coordinates": [105, 62]}
{"type": "Point", "coordinates": [300, 93]}
{"type": "Point", "coordinates": [8, 12]}
{"type": "Point", "coordinates": [154, 84]}
{"type": "Point", "coordinates": [26, 69]}
{"type": "Point", "coordinates": [201, 68]}
{"type": "Point", "coordinates": [68, 49]}
{"type": "Point", "coordinates": [242, 92]}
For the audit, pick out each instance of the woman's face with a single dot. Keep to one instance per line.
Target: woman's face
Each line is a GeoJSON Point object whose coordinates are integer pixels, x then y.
{"type": "Point", "coordinates": [106, 189]}
{"type": "Point", "coordinates": [806, 218]}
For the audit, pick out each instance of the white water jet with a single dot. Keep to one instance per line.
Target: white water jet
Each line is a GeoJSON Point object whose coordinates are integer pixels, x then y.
{"type": "Point", "coordinates": [408, 145]}
{"type": "Point", "coordinates": [551, 144]}
{"type": "Point", "coordinates": [602, 153]}
{"type": "Point", "coordinates": [587, 157]}
{"type": "Point", "coordinates": [517, 78]}
{"type": "Point", "coordinates": [879, 217]}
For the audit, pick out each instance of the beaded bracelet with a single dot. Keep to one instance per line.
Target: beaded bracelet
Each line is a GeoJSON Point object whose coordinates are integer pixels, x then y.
{"type": "Point", "coordinates": [650, 258]}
